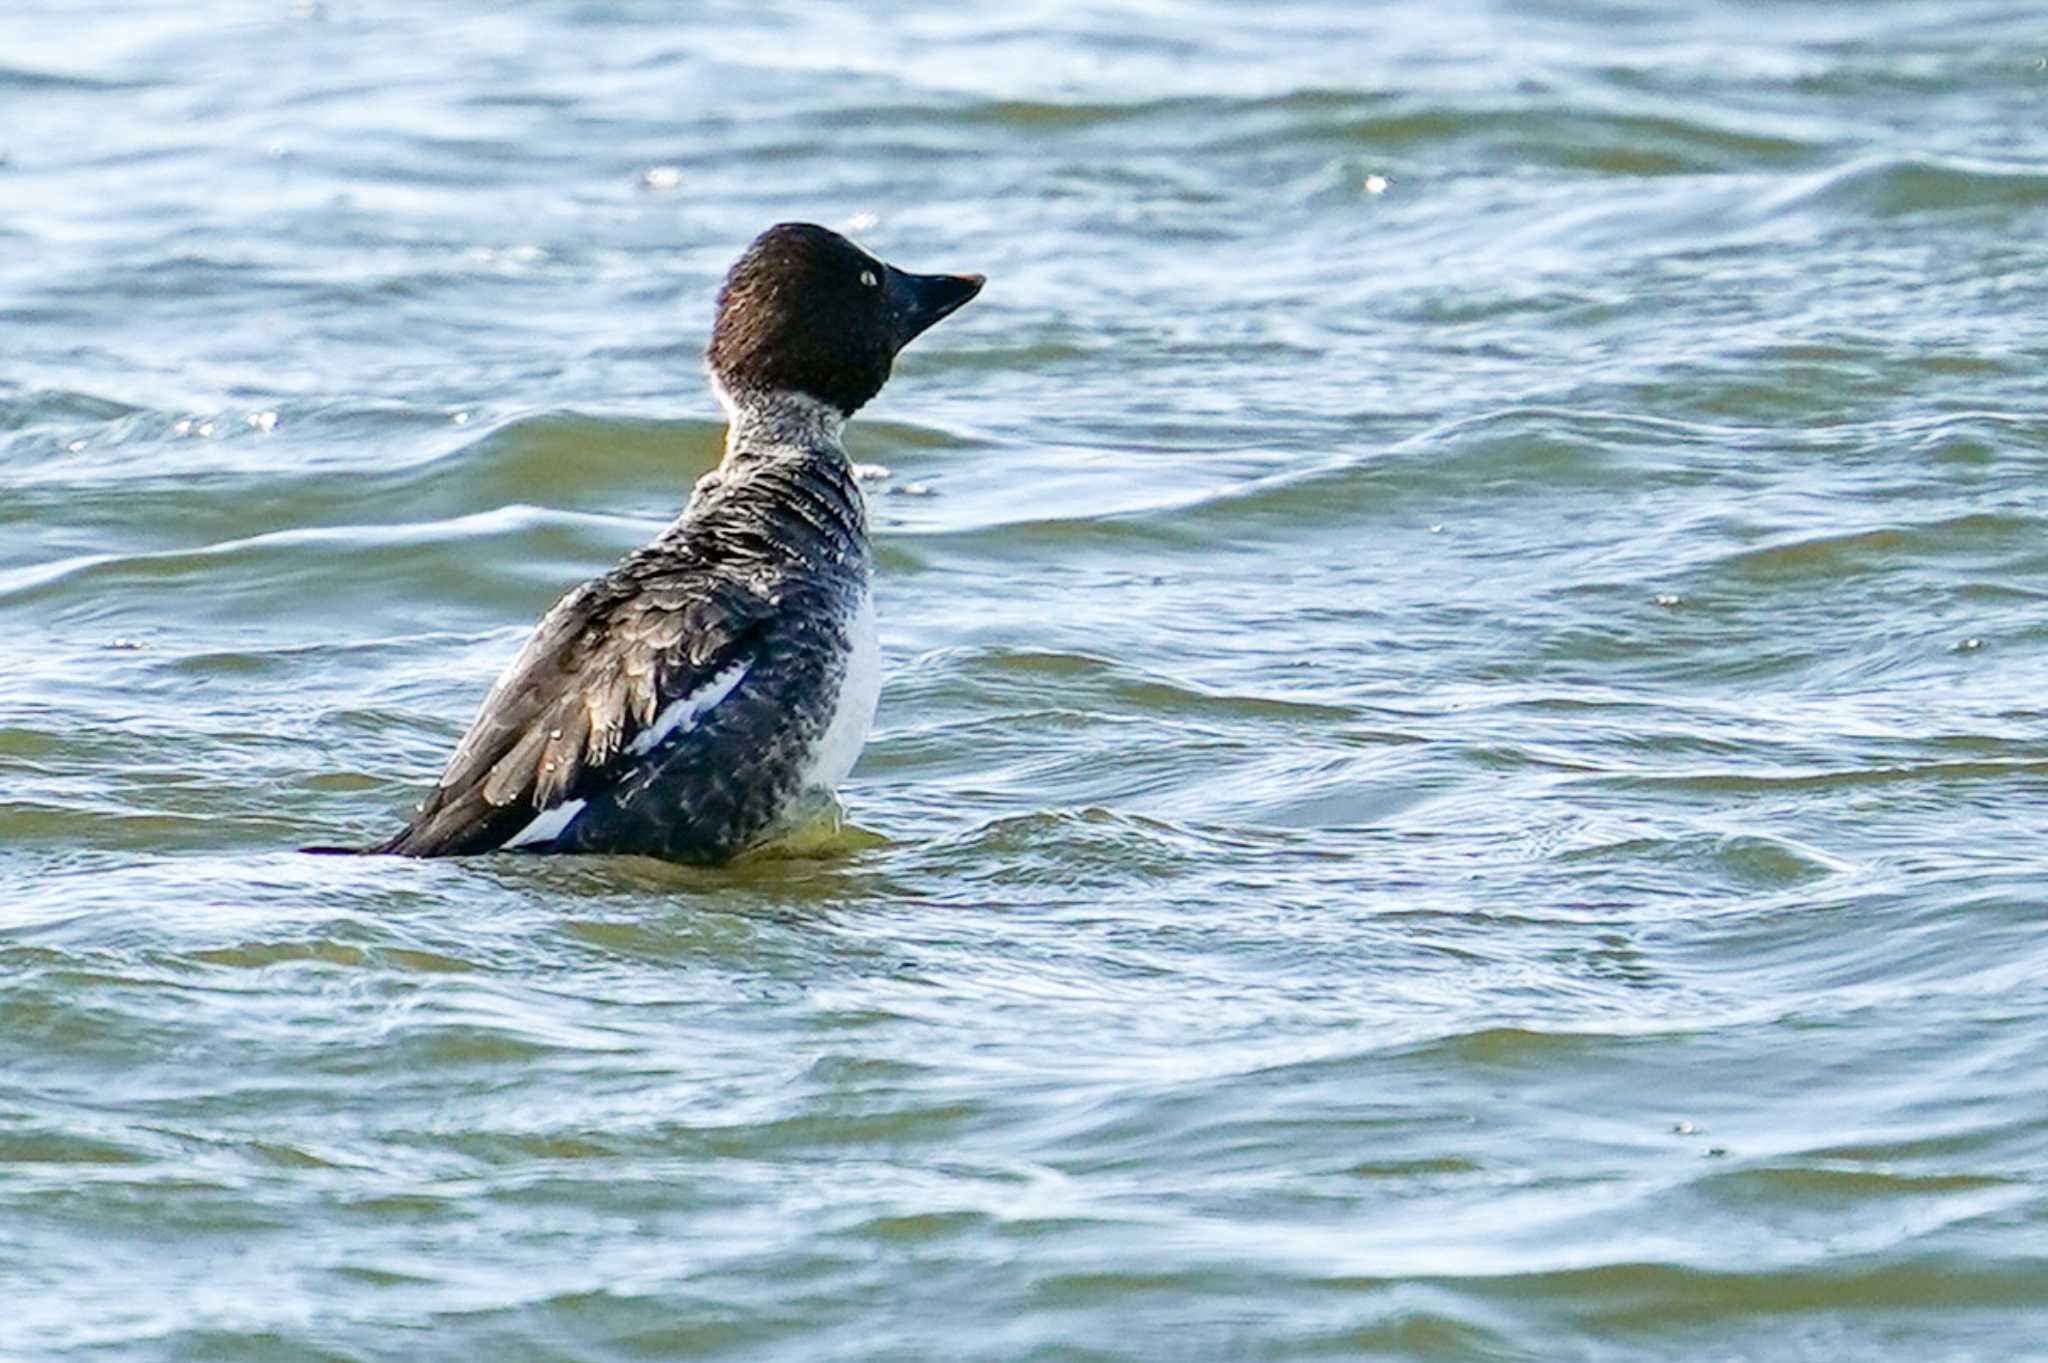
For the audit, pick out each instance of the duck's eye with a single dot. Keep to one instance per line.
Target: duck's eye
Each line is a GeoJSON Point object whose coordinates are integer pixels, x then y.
{"type": "Point", "coordinates": [867, 277]}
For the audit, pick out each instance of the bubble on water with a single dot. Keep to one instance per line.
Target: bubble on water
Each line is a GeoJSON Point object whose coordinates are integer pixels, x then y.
{"type": "Point", "coordinates": [1376, 184]}
{"type": "Point", "coordinates": [1665, 599]}
{"type": "Point", "coordinates": [204, 430]}
{"type": "Point", "coordinates": [263, 421]}
{"type": "Point", "coordinates": [1436, 529]}
{"type": "Point", "coordinates": [1969, 645]}
{"type": "Point", "coordinates": [661, 177]}
{"type": "Point", "coordinates": [1684, 1128]}
{"type": "Point", "coordinates": [504, 257]}
{"type": "Point", "coordinates": [182, 426]}
{"type": "Point", "coordinates": [460, 418]}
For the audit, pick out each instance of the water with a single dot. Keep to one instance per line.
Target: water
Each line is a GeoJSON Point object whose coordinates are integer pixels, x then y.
{"type": "Point", "coordinates": [1463, 762]}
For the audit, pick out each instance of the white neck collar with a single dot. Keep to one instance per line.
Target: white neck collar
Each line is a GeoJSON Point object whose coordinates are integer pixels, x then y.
{"type": "Point", "coordinates": [780, 417]}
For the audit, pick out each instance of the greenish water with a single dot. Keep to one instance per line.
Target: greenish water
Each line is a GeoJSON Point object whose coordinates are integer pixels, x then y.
{"type": "Point", "coordinates": [1462, 771]}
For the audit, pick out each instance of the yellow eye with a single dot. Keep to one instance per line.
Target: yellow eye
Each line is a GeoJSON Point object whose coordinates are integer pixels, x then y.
{"type": "Point", "coordinates": [867, 277]}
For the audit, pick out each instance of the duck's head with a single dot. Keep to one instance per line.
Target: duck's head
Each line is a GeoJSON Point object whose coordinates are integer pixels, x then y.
{"type": "Point", "coordinates": [806, 311]}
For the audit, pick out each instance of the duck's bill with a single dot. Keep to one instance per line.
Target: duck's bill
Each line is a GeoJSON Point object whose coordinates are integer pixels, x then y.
{"type": "Point", "coordinates": [916, 301]}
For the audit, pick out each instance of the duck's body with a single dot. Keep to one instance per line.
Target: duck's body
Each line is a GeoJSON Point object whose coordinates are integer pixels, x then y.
{"type": "Point", "coordinates": [708, 692]}
{"type": "Point", "coordinates": [714, 688]}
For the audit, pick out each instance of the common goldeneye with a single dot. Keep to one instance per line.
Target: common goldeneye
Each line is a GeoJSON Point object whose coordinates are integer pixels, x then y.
{"type": "Point", "coordinates": [710, 691]}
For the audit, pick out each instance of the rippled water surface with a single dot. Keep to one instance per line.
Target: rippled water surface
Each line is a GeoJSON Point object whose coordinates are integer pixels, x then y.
{"type": "Point", "coordinates": [1462, 773]}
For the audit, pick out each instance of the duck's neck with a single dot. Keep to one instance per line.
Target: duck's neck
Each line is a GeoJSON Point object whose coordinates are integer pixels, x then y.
{"type": "Point", "coordinates": [786, 481]}
{"type": "Point", "coordinates": [779, 422]}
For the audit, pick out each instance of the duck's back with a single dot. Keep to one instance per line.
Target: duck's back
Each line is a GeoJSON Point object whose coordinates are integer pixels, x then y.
{"type": "Point", "coordinates": [692, 701]}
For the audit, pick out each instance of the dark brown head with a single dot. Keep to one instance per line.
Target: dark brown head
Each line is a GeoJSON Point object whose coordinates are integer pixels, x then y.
{"type": "Point", "coordinates": [807, 311]}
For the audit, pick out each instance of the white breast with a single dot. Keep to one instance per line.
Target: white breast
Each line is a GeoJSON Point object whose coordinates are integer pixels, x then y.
{"type": "Point", "coordinates": [854, 713]}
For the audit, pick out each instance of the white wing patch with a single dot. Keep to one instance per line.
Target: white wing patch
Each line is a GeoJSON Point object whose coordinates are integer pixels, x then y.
{"type": "Point", "coordinates": [681, 714]}
{"type": "Point", "coordinates": [548, 826]}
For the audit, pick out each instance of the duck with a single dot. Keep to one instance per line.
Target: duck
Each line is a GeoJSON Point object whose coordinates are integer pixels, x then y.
{"type": "Point", "coordinates": [710, 692]}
